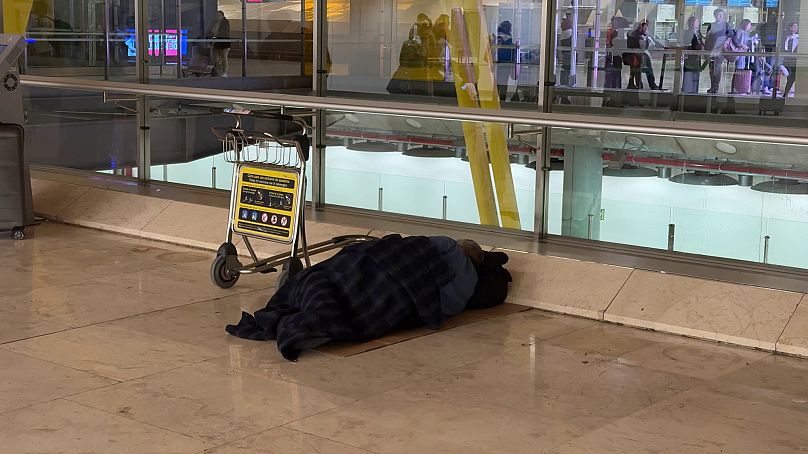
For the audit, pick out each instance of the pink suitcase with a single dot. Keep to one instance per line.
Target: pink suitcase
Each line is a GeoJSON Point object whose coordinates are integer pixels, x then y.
{"type": "Point", "coordinates": [742, 82]}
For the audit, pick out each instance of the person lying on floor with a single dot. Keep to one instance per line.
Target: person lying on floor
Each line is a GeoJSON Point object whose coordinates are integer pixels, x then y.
{"type": "Point", "coordinates": [370, 289]}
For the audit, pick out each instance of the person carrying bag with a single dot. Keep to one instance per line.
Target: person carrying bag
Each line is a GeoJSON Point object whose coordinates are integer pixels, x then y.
{"type": "Point", "coordinates": [742, 79]}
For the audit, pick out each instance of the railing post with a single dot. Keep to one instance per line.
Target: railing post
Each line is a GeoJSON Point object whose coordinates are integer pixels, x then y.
{"type": "Point", "coordinates": [671, 236]}
{"type": "Point", "coordinates": [766, 248]}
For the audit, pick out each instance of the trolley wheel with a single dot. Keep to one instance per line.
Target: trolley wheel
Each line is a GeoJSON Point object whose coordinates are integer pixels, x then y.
{"type": "Point", "coordinates": [18, 233]}
{"type": "Point", "coordinates": [220, 273]}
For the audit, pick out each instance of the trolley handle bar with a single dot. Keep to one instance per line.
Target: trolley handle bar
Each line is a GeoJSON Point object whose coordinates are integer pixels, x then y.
{"type": "Point", "coordinates": [253, 113]}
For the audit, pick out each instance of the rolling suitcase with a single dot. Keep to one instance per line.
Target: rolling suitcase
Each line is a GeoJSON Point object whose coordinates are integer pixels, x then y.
{"type": "Point", "coordinates": [742, 82]}
{"type": "Point", "coordinates": [16, 211]}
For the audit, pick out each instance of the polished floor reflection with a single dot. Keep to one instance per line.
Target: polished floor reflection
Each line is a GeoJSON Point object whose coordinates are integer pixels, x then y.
{"type": "Point", "coordinates": [115, 344]}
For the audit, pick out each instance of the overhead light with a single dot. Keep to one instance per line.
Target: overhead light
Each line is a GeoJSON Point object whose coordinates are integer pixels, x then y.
{"type": "Point", "coordinates": [429, 152]}
{"type": "Point", "coordinates": [782, 186]}
{"type": "Point", "coordinates": [664, 172]}
{"type": "Point", "coordinates": [414, 123]}
{"type": "Point", "coordinates": [629, 170]}
{"type": "Point", "coordinates": [375, 147]}
{"type": "Point", "coordinates": [724, 147]}
{"type": "Point", "coordinates": [352, 118]}
{"type": "Point", "coordinates": [702, 178]}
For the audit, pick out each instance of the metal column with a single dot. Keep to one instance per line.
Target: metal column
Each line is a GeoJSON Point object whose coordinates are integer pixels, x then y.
{"type": "Point", "coordinates": [546, 82]}
{"type": "Point", "coordinates": [107, 28]}
{"type": "Point", "coordinates": [244, 38]}
{"type": "Point", "coordinates": [179, 38]}
{"type": "Point", "coordinates": [319, 79]}
{"type": "Point", "coordinates": [142, 51]}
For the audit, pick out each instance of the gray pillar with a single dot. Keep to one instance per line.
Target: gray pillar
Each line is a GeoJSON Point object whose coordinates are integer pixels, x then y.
{"type": "Point", "coordinates": [583, 181]}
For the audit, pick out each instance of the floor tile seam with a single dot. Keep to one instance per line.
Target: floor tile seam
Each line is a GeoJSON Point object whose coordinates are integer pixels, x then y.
{"type": "Point", "coordinates": [205, 300]}
{"type": "Point", "coordinates": [785, 326]}
{"type": "Point", "coordinates": [331, 440]}
{"type": "Point", "coordinates": [151, 312]}
{"type": "Point", "coordinates": [116, 380]}
{"type": "Point", "coordinates": [66, 328]}
{"type": "Point", "coordinates": [143, 422]}
{"type": "Point", "coordinates": [149, 222]}
{"type": "Point", "coordinates": [336, 407]}
{"type": "Point", "coordinates": [755, 361]}
{"type": "Point", "coordinates": [65, 397]}
{"type": "Point", "coordinates": [72, 202]}
{"type": "Point", "coordinates": [630, 275]}
{"type": "Point", "coordinates": [289, 381]}
{"type": "Point", "coordinates": [615, 422]}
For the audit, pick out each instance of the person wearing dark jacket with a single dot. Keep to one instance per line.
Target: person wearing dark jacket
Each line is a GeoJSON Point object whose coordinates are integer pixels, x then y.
{"type": "Point", "coordinates": [693, 41]}
{"type": "Point", "coordinates": [220, 33]}
{"type": "Point", "coordinates": [717, 35]}
{"type": "Point", "coordinates": [506, 58]}
{"type": "Point", "coordinates": [641, 62]}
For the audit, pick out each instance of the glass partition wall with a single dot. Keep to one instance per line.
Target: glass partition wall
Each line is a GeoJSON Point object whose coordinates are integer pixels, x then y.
{"type": "Point", "coordinates": [729, 199]}
{"type": "Point", "coordinates": [716, 60]}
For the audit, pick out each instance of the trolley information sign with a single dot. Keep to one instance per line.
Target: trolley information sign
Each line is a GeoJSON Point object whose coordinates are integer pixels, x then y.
{"type": "Point", "coordinates": [267, 204]}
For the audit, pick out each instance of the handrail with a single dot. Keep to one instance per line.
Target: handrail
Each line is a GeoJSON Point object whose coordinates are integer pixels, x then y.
{"type": "Point", "coordinates": [690, 129]}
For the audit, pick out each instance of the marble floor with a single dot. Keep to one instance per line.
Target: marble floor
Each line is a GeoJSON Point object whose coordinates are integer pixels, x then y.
{"type": "Point", "coordinates": [111, 344]}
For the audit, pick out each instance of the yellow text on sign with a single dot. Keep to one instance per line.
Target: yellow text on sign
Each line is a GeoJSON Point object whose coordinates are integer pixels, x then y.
{"type": "Point", "coordinates": [267, 203]}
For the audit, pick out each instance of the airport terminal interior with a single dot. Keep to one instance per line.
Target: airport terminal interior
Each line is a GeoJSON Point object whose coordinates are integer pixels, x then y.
{"type": "Point", "coordinates": [403, 226]}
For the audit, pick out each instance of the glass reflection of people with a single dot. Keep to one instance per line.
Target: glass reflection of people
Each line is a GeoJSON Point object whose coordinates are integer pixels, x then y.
{"type": "Point", "coordinates": [640, 63]}
{"type": "Point", "coordinates": [220, 33]}
{"type": "Point", "coordinates": [717, 34]}
{"type": "Point", "coordinates": [790, 44]}
{"type": "Point", "coordinates": [742, 79]}
{"type": "Point", "coordinates": [436, 49]}
{"type": "Point", "coordinates": [768, 40]}
{"type": "Point", "coordinates": [42, 25]}
{"type": "Point", "coordinates": [506, 58]}
{"type": "Point", "coordinates": [411, 75]}
{"type": "Point", "coordinates": [693, 41]}
{"type": "Point", "coordinates": [614, 58]}
{"type": "Point", "coordinates": [565, 42]}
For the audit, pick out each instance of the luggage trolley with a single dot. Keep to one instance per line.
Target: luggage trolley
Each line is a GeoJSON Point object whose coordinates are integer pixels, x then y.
{"type": "Point", "coordinates": [267, 199]}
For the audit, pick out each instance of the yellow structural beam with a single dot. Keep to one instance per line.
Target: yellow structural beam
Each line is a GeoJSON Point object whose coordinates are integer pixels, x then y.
{"type": "Point", "coordinates": [465, 86]}
{"type": "Point", "coordinates": [15, 16]}
{"type": "Point", "coordinates": [477, 31]}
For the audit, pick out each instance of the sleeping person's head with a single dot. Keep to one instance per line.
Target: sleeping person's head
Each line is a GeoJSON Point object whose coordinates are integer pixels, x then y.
{"type": "Point", "coordinates": [472, 250]}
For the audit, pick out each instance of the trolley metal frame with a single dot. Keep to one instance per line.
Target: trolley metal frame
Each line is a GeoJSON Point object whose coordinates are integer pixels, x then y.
{"type": "Point", "coordinates": [262, 150]}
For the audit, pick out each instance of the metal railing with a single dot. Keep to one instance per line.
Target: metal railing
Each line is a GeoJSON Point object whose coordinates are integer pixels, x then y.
{"type": "Point", "coordinates": [690, 129]}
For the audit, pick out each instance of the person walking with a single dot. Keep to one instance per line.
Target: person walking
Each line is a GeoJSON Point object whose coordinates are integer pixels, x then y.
{"type": "Point", "coordinates": [717, 35]}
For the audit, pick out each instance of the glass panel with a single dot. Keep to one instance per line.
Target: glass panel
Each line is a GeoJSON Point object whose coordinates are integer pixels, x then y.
{"type": "Point", "coordinates": [687, 59]}
{"type": "Point", "coordinates": [422, 167]}
{"type": "Point", "coordinates": [277, 36]}
{"type": "Point", "coordinates": [77, 38]}
{"type": "Point", "coordinates": [430, 51]}
{"type": "Point", "coordinates": [78, 130]}
{"type": "Point", "coordinates": [185, 149]}
{"type": "Point", "coordinates": [739, 200]}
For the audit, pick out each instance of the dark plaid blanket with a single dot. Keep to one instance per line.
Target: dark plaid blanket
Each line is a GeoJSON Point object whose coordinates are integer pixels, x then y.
{"type": "Point", "coordinates": [360, 294]}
